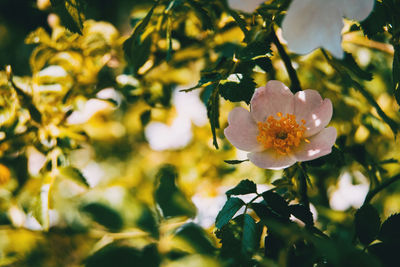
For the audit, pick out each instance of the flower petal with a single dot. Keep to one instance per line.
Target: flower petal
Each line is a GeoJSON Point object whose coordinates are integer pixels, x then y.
{"type": "Point", "coordinates": [242, 130]}
{"type": "Point", "coordinates": [319, 145]}
{"type": "Point", "coordinates": [310, 24]}
{"type": "Point", "coordinates": [357, 9]}
{"type": "Point", "coordinates": [309, 106]}
{"type": "Point", "coordinates": [270, 159]}
{"type": "Point", "coordinates": [247, 6]}
{"type": "Point", "coordinates": [274, 97]}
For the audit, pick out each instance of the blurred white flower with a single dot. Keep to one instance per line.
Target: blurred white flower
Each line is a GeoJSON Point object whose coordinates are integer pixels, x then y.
{"type": "Point", "coordinates": [347, 194]}
{"type": "Point", "coordinates": [178, 135]}
{"type": "Point", "coordinates": [310, 24]}
{"type": "Point", "coordinates": [245, 5]}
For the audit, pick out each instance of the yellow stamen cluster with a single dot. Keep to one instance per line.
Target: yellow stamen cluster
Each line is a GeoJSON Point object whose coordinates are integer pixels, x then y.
{"type": "Point", "coordinates": [283, 134]}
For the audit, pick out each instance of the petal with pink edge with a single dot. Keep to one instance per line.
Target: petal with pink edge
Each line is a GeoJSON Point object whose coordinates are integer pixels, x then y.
{"type": "Point", "coordinates": [274, 97]}
{"type": "Point", "coordinates": [319, 145]}
{"type": "Point", "coordinates": [309, 106]}
{"type": "Point", "coordinates": [270, 159]}
{"type": "Point", "coordinates": [242, 130]}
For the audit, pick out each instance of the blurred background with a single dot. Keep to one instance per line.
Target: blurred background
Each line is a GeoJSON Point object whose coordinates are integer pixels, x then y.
{"type": "Point", "coordinates": [93, 168]}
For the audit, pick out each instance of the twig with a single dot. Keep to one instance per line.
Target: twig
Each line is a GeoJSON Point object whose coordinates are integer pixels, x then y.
{"type": "Point", "coordinates": [371, 194]}
{"type": "Point", "coordinates": [392, 124]}
{"type": "Point", "coordinates": [295, 86]}
{"type": "Point", "coordinates": [303, 187]}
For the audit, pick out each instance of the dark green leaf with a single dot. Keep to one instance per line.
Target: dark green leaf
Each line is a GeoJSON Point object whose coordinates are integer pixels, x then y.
{"type": "Point", "coordinates": [145, 117]}
{"type": "Point", "coordinates": [196, 237]}
{"type": "Point", "coordinates": [169, 197]}
{"type": "Point", "coordinates": [137, 50]}
{"type": "Point", "coordinates": [387, 253]}
{"type": "Point", "coordinates": [148, 222]}
{"type": "Point", "coordinates": [104, 215]}
{"type": "Point", "coordinates": [390, 230]}
{"type": "Point", "coordinates": [213, 112]}
{"type": "Point", "coordinates": [71, 13]}
{"type": "Point", "coordinates": [243, 188]}
{"type": "Point", "coordinates": [367, 223]}
{"type": "Point", "coordinates": [350, 64]}
{"type": "Point", "coordinates": [238, 91]}
{"type": "Point", "coordinates": [202, 13]}
{"type": "Point", "coordinates": [302, 213]}
{"type": "Point", "coordinates": [124, 256]}
{"type": "Point", "coordinates": [250, 238]}
{"type": "Point", "coordinates": [277, 203]}
{"type": "Point", "coordinates": [262, 211]}
{"type": "Point", "coordinates": [376, 21]}
{"type": "Point", "coordinates": [230, 208]}
{"type": "Point", "coordinates": [273, 244]}
{"type": "Point", "coordinates": [234, 162]}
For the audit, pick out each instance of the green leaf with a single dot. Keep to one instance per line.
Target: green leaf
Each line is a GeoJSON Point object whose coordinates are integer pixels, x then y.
{"type": "Point", "coordinates": [243, 188]}
{"type": "Point", "coordinates": [396, 73]}
{"type": "Point", "coordinates": [148, 222]}
{"type": "Point", "coordinates": [145, 117]}
{"type": "Point", "coordinates": [238, 91]}
{"type": "Point", "coordinates": [302, 213]}
{"type": "Point", "coordinates": [390, 230]}
{"type": "Point", "coordinates": [350, 64]}
{"type": "Point", "coordinates": [136, 50]}
{"type": "Point", "coordinates": [277, 203]}
{"type": "Point", "coordinates": [367, 223]}
{"type": "Point", "coordinates": [206, 20]}
{"type": "Point", "coordinates": [74, 174]}
{"type": "Point", "coordinates": [376, 21]}
{"type": "Point", "coordinates": [196, 237]}
{"type": "Point", "coordinates": [387, 253]}
{"type": "Point", "coordinates": [71, 13]}
{"type": "Point", "coordinates": [104, 215]}
{"type": "Point", "coordinates": [124, 256]}
{"type": "Point", "coordinates": [169, 197]}
{"type": "Point", "coordinates": [227, 212]}
{"type": "Point", "coordinates": [213, 112]}
{"type": "Point", "coordinates": [250, 238]}
{"type": "Point", "coordinates": [41, 206]}
{"type": "Point", "coordinates": [262, 211]}
{"type": "Point", "coordinates": [234, 162]}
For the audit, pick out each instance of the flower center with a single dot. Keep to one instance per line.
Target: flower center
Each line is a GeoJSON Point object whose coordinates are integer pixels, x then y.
{"type": "Point", "coordinates": [283, 134]}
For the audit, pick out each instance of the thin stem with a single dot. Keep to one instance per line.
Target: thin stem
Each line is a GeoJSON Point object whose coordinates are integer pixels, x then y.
{"type": "Point", "coordinates": [392, 124]}
{"type": "Point", "coordinates": [371, 194]}
{"type": "Point", "coordinates": [303, 187]}
{"type": "Point", "coordinates": [295, 86]}
{"type": "Point", "coordinates": [251, 201]}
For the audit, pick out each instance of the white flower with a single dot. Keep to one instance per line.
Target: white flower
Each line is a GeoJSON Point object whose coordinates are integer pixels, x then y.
{"type": "Point", "coordinates": [247, 6]}
{"type": "Point", "coordinates": [282, 128]}
{"type": "Point", "coordinates": [310, 24]}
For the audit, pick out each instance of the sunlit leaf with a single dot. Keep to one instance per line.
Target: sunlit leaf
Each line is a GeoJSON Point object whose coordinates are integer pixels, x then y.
{"type": "Point", "coordinates": [74, 174]}
{"type": "Point", "coordinates": [196, 237]}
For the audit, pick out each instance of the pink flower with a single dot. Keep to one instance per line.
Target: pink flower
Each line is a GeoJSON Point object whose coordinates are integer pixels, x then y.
{"type": "Point", "coordinates": [282, 128]}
